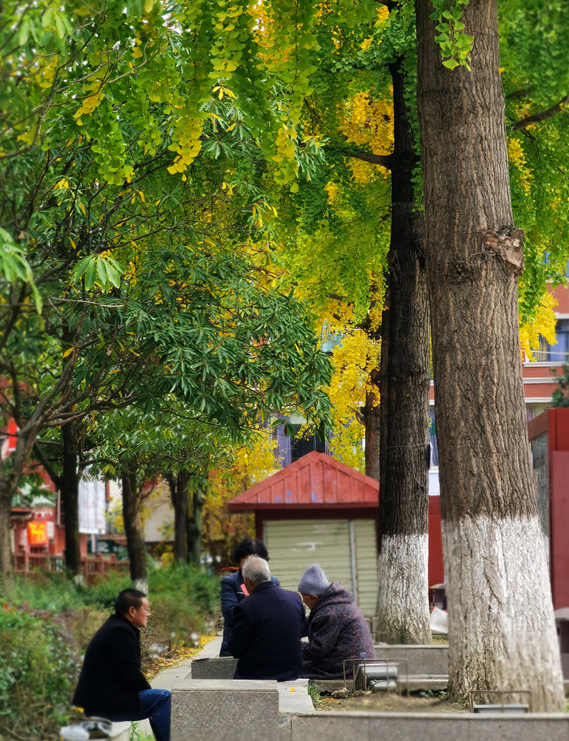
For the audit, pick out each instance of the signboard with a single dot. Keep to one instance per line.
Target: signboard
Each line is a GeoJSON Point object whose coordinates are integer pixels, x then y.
{"type": "Point", "coordinates": [37, 533]}
{"type": "Point", "coordinates": [107, 546]}
{"type": "Point", "coordinates": [91, 506]}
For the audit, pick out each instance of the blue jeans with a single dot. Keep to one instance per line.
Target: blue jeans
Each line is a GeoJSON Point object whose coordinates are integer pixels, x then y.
{"type": "Point", "coordinates": [155, 705]}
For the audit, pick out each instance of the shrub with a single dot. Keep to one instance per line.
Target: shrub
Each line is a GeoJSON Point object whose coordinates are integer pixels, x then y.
{"type": "Point", "coordinates": [39, 670]}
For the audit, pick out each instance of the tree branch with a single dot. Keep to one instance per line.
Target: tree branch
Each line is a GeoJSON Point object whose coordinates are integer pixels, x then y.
{"type": "Point", "coordinates": [46, 463]}
{"type": "Point", "coordinates": [375, 159]}
{"type": "Point", "coordinates": [539, 117]}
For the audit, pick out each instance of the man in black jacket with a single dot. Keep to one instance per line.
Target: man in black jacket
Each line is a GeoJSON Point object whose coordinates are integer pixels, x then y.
{"type": "Point", "coordinates": [111, 684]}
{"type": "Point", "coordinates": [267, 627]}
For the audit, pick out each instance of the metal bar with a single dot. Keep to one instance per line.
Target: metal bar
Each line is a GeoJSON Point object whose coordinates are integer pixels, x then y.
{"type": "Point", "coordinates": [501, 694]}
{"type": "Point", "coordinates": [353, 560]}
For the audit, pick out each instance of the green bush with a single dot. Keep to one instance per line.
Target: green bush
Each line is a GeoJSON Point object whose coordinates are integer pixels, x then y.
{"type": "Point", "coordinates": [38, 671]}
{"type": "Point", "coordinates": [47, 622]}
{"type": "Point", "coordinates": [182, 598]}
{"type": "Point", "coordinates": [56, 591]}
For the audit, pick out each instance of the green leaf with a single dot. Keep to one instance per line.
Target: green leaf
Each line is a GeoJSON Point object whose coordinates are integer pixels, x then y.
{"type": "Point", "coordinates": [450, 63]}
{"type": "Point", "coordinates": [24, 32]}
{"type": "Point", "coordinates": [102, 273]}
{"type": "Point", "coordinates": [90, 273]}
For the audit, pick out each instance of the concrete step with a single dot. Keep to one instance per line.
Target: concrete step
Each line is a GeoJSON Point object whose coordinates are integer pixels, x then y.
{"type": "Point", "coordinates": [294, 697]}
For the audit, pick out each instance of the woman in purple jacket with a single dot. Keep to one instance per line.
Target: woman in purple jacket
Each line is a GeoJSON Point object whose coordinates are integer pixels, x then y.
{"type": "Point", "coordinates": [337, 630]}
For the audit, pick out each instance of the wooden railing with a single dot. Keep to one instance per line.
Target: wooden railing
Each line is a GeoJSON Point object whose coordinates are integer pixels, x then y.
{"type": "Point", "coordinates": [93, 567]}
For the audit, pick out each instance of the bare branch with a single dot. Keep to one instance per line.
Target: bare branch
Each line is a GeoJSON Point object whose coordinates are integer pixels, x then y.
{"type": "Point", "coordinates": [543, 116]}
{"type": "Point", "coordinates": [375, 159]}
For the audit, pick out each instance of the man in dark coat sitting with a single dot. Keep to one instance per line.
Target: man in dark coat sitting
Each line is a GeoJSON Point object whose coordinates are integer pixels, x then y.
{"type": "Point", "coordinates": [111, 684]}
{"type": "Point", "coordinates": [267, 627]}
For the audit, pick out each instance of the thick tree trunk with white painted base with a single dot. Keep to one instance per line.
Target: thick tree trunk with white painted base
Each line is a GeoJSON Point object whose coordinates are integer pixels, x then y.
{"type": "Point", "coordinates": [404, 387]}
{"type": "Point", "coordinates": [502, 631]}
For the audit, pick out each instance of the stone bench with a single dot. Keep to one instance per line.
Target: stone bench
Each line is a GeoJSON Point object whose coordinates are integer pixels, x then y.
{"type": "Point", "coordinates": [120, 731]}
{"type": "Point", "coordinates": [218, 667]}
{"type": "Point", "coordinates": [225, 710]}
{"type": "Point", "coordinates": [339, 726]}
{"type": "Point", "coordinates": [420, 659]}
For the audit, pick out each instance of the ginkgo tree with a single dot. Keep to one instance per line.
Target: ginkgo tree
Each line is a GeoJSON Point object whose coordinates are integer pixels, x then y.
{"type": "Point", "coordinates": [502, 631]}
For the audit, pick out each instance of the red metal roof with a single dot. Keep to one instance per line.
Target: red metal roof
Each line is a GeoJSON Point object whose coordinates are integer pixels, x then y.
{"type": "Point", "coordinates": [314, 481]}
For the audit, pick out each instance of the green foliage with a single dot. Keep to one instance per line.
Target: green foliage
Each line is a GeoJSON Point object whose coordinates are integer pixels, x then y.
{"type": "Point", "coordinates": [181, 598]}
{"type": "Point", "coordinates": [455, 45]}
{"type": "Point", "coordinates": [55, 592]}
{"type": "Point", "coordinates": [535, 78]}
{"type": "Point", "coordinates": [14, 266]}
{"type": "Point", "coordinates": [560, 397]}
{"type": "Point", "coordinates": [39, 670]}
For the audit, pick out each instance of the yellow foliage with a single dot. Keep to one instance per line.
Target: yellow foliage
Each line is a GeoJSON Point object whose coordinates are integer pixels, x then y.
{"type": "Point", "coordinates": [251, 463]}
{"type": "Point", "coordinates": [368, 122]}
{"type": "Point", "coordinates": [517, 158]}
{"type": "Point", "coordinates": [353, 359]}
{"type": "Point", "coordinates": [541, 325]}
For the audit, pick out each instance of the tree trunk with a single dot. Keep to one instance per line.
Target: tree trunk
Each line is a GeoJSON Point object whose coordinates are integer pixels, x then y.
{"type": "Point", "coordinates": [5, 550]}
{"type": "Point", "coordinates": [69, 487]}
{"type": "Point", "coordinates": [133, 530]}
{"type": "Point", "coordinates": [10, 474]}
{"type": "Point", "coordinates": [178, 484]}
{"type": "Point", "coordinates": [195, 528]}
{"type": "Point", "coordinates": [404, 505]}
{"type": "Point", "coordinates": [371, 413]}
{"type": "Point", "coordinates": [502, 631]}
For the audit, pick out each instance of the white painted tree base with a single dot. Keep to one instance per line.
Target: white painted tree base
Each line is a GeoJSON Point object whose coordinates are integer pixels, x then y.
{"type": "Point", "coordinates": [141, 584]}
{"type": "Point", "coordinates": [404, 589]}
{"type": "Point", "coordinates": [501, 628]}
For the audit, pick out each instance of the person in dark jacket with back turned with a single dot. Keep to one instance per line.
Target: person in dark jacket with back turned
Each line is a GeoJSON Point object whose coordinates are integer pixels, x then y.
{"type": "Point", "coordinates": [111, 684]}
{"type": "Point", "coordinates": [267, 628]}
{"type": "Point", "coordinates": [337, 630]}
{"type": "Point", "coordinates": [232, 586]}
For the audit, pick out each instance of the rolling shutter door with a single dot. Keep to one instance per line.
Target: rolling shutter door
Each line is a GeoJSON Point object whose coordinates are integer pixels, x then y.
{"type": "Point", "coordinates": [366, 565]}
{"type": "Point", "coordinates": [294, 545]}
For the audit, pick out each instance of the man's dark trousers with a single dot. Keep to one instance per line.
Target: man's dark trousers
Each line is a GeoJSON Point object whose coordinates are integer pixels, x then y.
{"type": "Point", "coordinates": [267, 628]}
{"type": "Point", "coordinates": [111, 684]}
{"type": "Point", "coordinates": [155, 705]}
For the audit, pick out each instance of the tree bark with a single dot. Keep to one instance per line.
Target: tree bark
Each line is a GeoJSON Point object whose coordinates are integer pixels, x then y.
{"type": "Point", "coordinates": [371, 413]}
{"type": "Point", "coordinates": [502, 632]}
{"type": "Point", "coordinates": [5, 550]}
{"type": "Point", "coordinates": [178, 484]}
{"type": "Point", "coordinates": [404, 507]}
{"type": "Point", "coordinates": [69, 488]}
{"type": "Point", "coordinates": [133, 530]}
{"type": "Point", "coordinates": [195, 527]}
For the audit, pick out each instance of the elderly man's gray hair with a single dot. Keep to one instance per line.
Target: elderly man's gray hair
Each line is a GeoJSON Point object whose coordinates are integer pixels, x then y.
{"type": "Point", "coordinates": [256, 570]}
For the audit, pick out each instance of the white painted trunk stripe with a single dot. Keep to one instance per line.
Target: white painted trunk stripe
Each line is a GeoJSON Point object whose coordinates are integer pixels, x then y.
{"type": "Point", "coordinates": [404, 588]}
{"type": "Point", "coordinates": [502, 632]}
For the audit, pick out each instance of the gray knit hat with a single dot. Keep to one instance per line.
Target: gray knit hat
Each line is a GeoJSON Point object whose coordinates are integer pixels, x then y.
{"type": "Point", "coordinates": [313, 581]}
